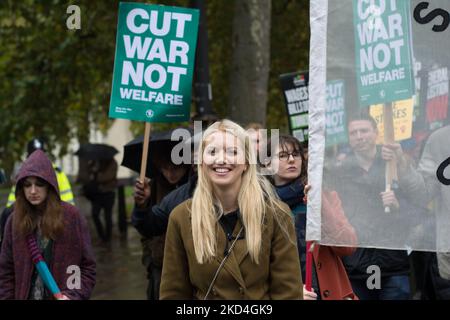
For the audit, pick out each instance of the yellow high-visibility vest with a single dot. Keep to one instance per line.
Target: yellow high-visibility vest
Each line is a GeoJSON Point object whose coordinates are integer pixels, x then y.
{"type": "Point", "coordinates": [65, 190]}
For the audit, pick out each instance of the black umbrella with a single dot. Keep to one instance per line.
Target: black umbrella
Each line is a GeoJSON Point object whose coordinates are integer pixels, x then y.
{"type": "Point", "coordinates": [160, 145]}
{"type": "Point", "coordinates": [96, 151]}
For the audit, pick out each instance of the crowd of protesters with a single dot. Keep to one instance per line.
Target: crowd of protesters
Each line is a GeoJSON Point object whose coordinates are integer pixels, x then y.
{"type": "Point", "coordinates": [220, 229]}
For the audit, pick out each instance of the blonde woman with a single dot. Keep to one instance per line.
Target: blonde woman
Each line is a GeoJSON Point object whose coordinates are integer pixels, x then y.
{"type": "Point", "coordinates": [234, 239]}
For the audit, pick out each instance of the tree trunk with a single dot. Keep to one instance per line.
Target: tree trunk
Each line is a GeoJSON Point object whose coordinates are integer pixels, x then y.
{"type": "Point", "coordinates": [251, 61]}
{"type": "Point", "coordinates": [202, 85]}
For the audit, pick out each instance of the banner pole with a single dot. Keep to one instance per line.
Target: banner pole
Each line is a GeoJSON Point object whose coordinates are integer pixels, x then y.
{"type": "Point", "coordinates": [308, 269]}
{"type": "Point", "coordinates": [389, 137]}
{"type": "Point", "coordinates": [145, 152]}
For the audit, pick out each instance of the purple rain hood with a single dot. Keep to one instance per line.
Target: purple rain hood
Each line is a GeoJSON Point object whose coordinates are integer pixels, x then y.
{"type": "Point", "coordinates": [38, 165]}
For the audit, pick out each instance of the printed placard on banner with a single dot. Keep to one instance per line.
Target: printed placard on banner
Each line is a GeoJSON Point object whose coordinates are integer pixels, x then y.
{"type": "Point", "coordinates": [296, 97]}
{"type": "Point", "coordinates": [383, 53]}
{"type": "Point", "coordinates": [154, 62]}
{"type": "Point", "coordinates": [335, 120]}
{"type": "Point", "coordinates": [437, 97]}
{"type": "Point", "coordinates": [403, 119]}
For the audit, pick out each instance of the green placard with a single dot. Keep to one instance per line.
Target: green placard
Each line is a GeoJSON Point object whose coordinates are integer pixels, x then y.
{"type": "Point", "coordinates": [154, 62]}
{"type": "Point", "coordinates": [336, 124]}
{"type": "Point", "coordinates": [383, 53]}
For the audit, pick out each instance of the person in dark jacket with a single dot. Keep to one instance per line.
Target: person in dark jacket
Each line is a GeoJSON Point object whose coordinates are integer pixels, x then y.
{"type": "Point", "coordinates": [360, 183]}
{"type": "Point", "coordinates": [3, 219]}
{"type": "Point", "coordinates": [2, 176]}
{"type": "Point", "coordinates": [167, 177]}
{"type": "Point", "coordinates": [60, 231]}
{"type": "Point", "coordinates": [429, 283]}
{"type": "Point", "coordinates": [5, 213]}
{"type": "Point", "coordinates": [101, 191]}
{"type": "Point", "coordinates": [151, 221]}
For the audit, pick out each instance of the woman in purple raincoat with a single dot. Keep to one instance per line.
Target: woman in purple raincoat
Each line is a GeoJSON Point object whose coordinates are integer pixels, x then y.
{"type": "Point", "coordinates": [61, 233]}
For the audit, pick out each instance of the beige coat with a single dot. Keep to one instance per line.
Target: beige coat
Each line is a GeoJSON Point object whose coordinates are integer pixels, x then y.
{"type": "Point", "coordinates": [277, 276]}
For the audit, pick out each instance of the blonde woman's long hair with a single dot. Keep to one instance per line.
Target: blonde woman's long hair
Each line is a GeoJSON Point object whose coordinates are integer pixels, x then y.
{"type": "Point", "coordinates": [255, 195]}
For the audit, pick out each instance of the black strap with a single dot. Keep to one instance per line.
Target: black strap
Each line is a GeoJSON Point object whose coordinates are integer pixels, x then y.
{"type": "Point", "coordinates": [213, 281]}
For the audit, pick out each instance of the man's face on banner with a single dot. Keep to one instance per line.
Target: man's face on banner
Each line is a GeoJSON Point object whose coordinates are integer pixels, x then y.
{"type": "Point", "coordinates": [362, 136]}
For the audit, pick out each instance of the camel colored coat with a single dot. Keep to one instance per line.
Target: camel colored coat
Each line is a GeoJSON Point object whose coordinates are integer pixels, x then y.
{"type": "Point", "coordinates": [277, 276]}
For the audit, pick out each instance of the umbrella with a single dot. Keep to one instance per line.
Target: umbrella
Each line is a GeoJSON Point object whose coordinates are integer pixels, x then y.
{"type": "Point", "coordinates": [42, 268]}
{"type": "Point", "coordinates": [160, 144]}
{"type": "Point", "coordinates": [96, 151]}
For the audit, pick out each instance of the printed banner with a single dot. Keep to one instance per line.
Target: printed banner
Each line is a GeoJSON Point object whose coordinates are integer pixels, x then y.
{"type": "Point", "coordinates": [154, 63]}
{"type": "Point", "coordinates": [392, 55]}
{"type": "Point", "coordinates": [383, 53]}
{"type": "Point", "coordinates": [437, 97]}
{"type": "Point", "coordinates": [296, 97]}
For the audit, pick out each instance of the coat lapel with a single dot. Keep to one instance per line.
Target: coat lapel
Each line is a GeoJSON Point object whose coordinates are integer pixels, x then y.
{"type": "Point", "coordinates": [240, 251]}
{"type": "Point", "coordinates": [236, 256]}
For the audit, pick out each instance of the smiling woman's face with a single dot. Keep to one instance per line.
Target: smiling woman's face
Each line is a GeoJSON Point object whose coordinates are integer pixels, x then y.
{"type": "Point", "coordinates": [289, 163]}
{"type": "Point", "coordinates": [224, 160]}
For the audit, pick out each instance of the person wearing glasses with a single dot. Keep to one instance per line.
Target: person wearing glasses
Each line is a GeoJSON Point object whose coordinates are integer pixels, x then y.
{"type": "Point", "coordinates": [289, 167]}
{"type": "Point", "coordinates": [234, 239]}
